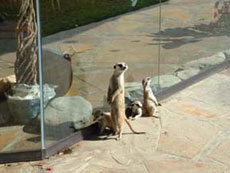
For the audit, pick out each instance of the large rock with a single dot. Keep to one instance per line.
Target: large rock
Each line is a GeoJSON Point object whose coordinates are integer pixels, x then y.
{"type": "Point", "coordinates": [205, 63]}
{"type": "Point", "coordinates": [194, 67]}
{"type": "Point", "coordinates": [165, 81]}
{"type": "Point", "coordinates": [4, 113]}
{"type": "Point", "coordinates": [133, 91]}
{"type": "Point", "coordinates": [64, 112]}
{"type": "Point", "coordinates": [184, 74]}
{"type": "Point", "coordinates": [227, 54]}
{"type": "Point", "coordinates": [57, 70]}
{"type": "Point", "coordinates": [24, 103]}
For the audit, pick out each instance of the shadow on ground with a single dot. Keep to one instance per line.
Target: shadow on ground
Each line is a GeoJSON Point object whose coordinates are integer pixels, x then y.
{"type": "Point", "coordinates": [172, 38]}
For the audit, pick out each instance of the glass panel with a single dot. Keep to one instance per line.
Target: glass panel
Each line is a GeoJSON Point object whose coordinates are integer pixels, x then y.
{"type": "Point", "coordinates": [195, 37]}
{"type": "Point", "coordinates": [79, 61]}
{"type": "Point", "coordinates": [19, 103]}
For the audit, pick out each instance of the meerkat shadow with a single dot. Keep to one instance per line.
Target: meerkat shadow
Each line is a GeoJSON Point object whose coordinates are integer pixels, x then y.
{"type": "Point", "coordinates": [131, 133]}
{"type": "Point", "coordinates": [100, 138]}
{"type": "Point", "coordinates": [107, 135]}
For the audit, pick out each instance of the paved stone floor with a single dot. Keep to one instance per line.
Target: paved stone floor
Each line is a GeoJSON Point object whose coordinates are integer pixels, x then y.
{"type": "Point", "coordinates": [187, 34]}
{"type": "Point", "coordinates": [194, 139]}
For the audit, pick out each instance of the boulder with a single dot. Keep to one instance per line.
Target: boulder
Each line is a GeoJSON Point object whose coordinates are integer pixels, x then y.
{"type": "Point", "coordinates": [227, 54]}
{"type": "Point", "coordinates": [57, 71]}
{"type": "Point", "coordinates": [133, 91]}
{"type": "Point", "coordinates": [65, 112]}
{"type": "Point", "coordinates": [184, 74]}
{"type": "Point", "coordinates": [24, 103]}
{"type": "Point", "coordinates": [4, 113]}
{"type": "Point", "coordinates": [193, 68]}
{"type": "Point", "coordinates": [166, 81]}
{"type": "Point", "coordinates": [205, 63]}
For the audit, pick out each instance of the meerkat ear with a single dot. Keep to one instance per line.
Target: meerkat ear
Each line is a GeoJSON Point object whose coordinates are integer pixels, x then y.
{"type": "Point", "coordinates": [114, 66]}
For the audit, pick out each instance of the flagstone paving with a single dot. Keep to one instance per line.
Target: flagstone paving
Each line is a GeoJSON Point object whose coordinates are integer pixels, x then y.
{"type": "Point", "coordinates": [192, 140]}
{"type": "Point", "coordinates": [196, 120]}
{"type": "Point", "coordinates": [188, 32]}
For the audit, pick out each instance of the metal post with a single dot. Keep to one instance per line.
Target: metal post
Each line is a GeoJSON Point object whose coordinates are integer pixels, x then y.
{"type": "Point", "coordinates": [159, 47]}
{"type": "Point", "coordinates": [40, 60]}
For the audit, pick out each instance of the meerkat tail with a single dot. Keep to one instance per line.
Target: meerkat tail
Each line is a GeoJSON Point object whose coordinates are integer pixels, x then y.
{"type": "Point", "coordinates": [158, 117]}
{"type": "Point", "coordinates": [131, 128]}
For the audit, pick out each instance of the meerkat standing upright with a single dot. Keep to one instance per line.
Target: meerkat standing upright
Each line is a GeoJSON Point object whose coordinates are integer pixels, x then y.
{"type": "Point", "coordinates": [150, 102]}
{"type": "Point", "coordinates": [116, 98]}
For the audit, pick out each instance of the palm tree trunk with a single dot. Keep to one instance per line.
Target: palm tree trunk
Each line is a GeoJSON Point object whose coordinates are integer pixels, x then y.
{"type": "Point", "coordinates": [26, 56]}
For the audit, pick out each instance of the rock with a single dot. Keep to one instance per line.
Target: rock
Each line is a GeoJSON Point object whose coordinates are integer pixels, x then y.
{"type": "Point", "coordinates": [166, 81]}
{"type": "Point", "coordinates": [57, 70]}
{"type": "Point", "coordinates": [227, 54]}
{"type": "Point", "coordinates": [24, 103]}
{"type": "Point", "coordinates": [4, 113]}
{"type": "Point", "coordinates": [193, 68]}
{"type": "Point", "coordinates": [132, 85]}
{"type": "Point", "coordinates": [133, 91]}
{"type": "Point", "coordinates": [6, 84]}
{"type": "Point", "coordinates": [205, 63]}
{"type": "Point", "coordinates": [184, 74]}
{"type": "Point", "coordinates": [65, 112]}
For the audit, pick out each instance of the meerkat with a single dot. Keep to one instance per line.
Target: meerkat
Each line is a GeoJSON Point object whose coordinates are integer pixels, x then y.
{"type": "Point", "coordinates": [150, 102]}
{"type": "Point", "coordinates": [104, 120]}
{"type": "Point", "coordinates": [134, 110]}
{"type": "Point", "coordinates": [116, 98]}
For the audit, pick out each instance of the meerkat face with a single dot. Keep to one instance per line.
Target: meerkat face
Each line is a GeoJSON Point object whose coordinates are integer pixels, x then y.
{"type": "Point", "coordinates": [67, 56]}
{"type": "Point", "coordinates": [136, 104]}
{"type": "Point", "coordinates": [120, 67]}
{"type": "Point", "coordinates": [98, 115]}
{"type": "Point", "coordinates": [146, 81]}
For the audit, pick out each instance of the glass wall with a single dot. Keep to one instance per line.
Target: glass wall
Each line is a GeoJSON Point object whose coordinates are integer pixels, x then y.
{"type": "Point", "coordinates": [19, 99]}
{"type": "Point", "coordinates": [79, 61]}
{"type": "Point", "coordinates": [169, 42]}
{"type": "Point", "coordinates": [194, 37]}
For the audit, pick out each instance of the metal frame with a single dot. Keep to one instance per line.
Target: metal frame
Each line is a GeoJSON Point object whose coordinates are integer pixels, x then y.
{"type": "Point", "coordinates": [40, 60]}
{"type": "Point", "coordinates": [34, 155]}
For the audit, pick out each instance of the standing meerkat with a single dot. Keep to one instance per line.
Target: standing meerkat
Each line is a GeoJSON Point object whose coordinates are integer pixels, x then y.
{"type": "Point", "coordinates": [116, 98]}
{"type": "Point", "coordinates": [150, 102]}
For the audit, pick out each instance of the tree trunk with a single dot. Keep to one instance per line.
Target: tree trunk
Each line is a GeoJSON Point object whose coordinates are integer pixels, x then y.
{"type": "Point", "coordinates": [27, 50]}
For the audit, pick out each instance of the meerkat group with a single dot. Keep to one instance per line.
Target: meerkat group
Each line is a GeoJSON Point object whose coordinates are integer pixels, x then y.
{"type": "Point", "coordinates": [116, 118]}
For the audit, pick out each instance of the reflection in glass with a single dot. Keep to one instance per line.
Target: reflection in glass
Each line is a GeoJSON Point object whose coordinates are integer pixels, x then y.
{"type": "Point", "coordinates": [19, 89]}
{"type": "Point", "coordinates": [79, 61]}
{"type": "Point", "coordinates": [195, 37]}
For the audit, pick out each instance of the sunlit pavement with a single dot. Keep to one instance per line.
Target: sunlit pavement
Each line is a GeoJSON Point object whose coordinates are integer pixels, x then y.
{"type": "Point", "coordinates": [194, 138]}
